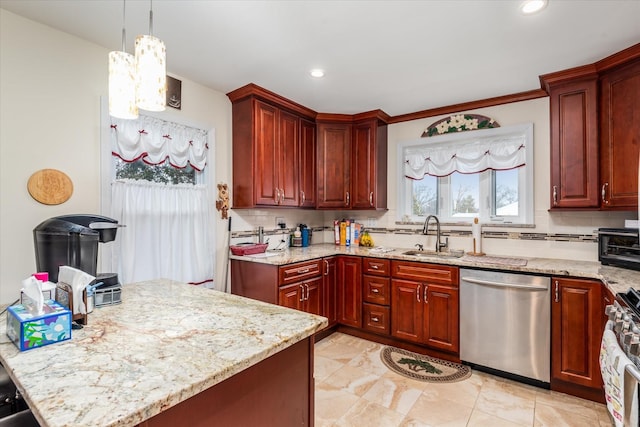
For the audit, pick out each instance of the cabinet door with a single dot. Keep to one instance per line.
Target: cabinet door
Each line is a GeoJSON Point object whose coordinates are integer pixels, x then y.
{"type": "Point", "coordinates": [290, 296]}
{"type": "Point", "coordinates": [576, 332]}
{"type": "Point", "coordinates": [619, 136]}
{"type": "Point", "coordinates": [441, 320]}
{"type": "Point", "coordinates": [307, 177]}
{"type": "Point", "coordinates": [369, 165]}
{"type": "Point", "coordinates": [407, 310]}
{"type": "Point", "coordinates": [266, 152]}
{"type": "Point", "coordinates": [349, 290]}
{"type": "Point", "coordinates": [287, 159]}
{"type": "Point", "coordinates": [330, 277]}
{"type": "Point", "coordinates": [313, 294]}
{"type": "Point", "coordinates": [334, 165]}
{"type": "Point", "coordinates": [574, 145]}
{"type": "Point", "coordinates": [376, 290]}
{"type": "Point", "coordinates": [376, 318]}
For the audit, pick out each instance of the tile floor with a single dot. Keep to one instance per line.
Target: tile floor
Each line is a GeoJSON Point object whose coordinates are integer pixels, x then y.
{"type": "Point", "coordinates": [354, 388]}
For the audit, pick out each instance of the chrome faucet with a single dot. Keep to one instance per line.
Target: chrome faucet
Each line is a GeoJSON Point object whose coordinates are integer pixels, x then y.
{"type": "Point", "coordinates": [425, 231]}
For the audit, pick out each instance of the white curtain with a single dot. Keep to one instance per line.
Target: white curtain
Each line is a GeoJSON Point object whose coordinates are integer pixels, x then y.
{"type": "Point", "coordinates": [472, 155]}
{"type": "Point", "coordinates": [167, 233]}
{"type": "Point", "coordinates": [154, 140]}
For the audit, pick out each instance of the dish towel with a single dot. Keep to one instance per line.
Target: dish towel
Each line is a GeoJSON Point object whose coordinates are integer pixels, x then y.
{"type": "Point", "coordinates": [613, 363]}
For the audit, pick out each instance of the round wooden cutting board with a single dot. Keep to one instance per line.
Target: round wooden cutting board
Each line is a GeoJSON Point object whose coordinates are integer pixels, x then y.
{"type": "Point", "coordinates": [50, 186]}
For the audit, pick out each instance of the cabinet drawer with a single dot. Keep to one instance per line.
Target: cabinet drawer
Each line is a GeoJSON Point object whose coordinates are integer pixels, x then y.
{"type": "Point", "coordinates": [376, 290]}
{"type": "Point", "coordinates": [300, 271]}
{"type": "Point", "coordinates": [423, 272]}
{"type": "Point", "coordinates": [377, 266]}
{"type": "Point", "coordinates": [376, 318]}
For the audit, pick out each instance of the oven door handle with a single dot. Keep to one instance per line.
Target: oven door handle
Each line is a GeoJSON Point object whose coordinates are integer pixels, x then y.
{"type": "Point", "coordinates": [504, 285]}
{"type": "Point", "coordinates": [618, 233]}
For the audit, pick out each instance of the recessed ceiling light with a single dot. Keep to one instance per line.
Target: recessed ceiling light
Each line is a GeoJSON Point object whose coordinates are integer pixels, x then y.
{"type": "Point", "coordinates": [532, 6]}
{"type": "Point", "coordinates": [317, 73]}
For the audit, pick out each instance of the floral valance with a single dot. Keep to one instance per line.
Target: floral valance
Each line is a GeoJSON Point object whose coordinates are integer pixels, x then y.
{"type": "Point", "coordinates": [475, 153]}
{"type": "Point", "coordinates": [154, 141]}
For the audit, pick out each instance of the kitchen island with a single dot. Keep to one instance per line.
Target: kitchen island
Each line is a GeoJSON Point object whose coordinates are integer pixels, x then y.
{"type": "Point", "coordinates": [173, 354]}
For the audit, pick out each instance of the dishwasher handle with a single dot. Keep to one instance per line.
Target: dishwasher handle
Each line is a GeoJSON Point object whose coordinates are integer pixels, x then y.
{"type": "Point", "coordinates": [504, 285]}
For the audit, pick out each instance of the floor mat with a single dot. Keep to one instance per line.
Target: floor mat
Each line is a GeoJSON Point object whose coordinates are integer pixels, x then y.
{"type": "Point", "coordinates": [423, 368]}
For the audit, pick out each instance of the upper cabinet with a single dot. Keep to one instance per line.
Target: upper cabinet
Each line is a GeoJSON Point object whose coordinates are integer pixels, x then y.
{"type": "Point", "coordinates": [352, 161]}
{"type": "Point", "coordinates": [620, 136]}
{"type": "Point", "coordinates": [287, 155]}
{"type": "Point", "coordinates": [273, 146]}
{"type": "Point", "coordinates": [594, 142]}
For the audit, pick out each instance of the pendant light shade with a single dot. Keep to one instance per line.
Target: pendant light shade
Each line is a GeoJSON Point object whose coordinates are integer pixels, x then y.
{"type": "Point", "coordinates": [150, 73]}
{"type": "Point", "coordinates": [122, 85]}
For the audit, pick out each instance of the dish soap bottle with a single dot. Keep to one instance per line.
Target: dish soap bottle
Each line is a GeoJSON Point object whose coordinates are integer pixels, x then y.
{"type": "Point", "coordinates": [297, 237]}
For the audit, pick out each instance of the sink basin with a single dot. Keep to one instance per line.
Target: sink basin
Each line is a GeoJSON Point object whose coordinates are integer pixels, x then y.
{"type": "Point", "coordinates": [443, 254]}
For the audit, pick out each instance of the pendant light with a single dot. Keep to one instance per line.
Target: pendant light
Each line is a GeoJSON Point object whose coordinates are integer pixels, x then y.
{"type": "Point", "coordinates": [122, 81]}
{"type": "Point", "coordinates": [151, 70]}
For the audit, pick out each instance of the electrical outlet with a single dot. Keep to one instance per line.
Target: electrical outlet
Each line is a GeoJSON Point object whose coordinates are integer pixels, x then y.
{"type": "Point", "coordinates": [280, 223]}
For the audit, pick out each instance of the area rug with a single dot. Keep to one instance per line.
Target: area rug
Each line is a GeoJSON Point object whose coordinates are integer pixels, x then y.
{"type": "Point", "coordinates": [421, 367]}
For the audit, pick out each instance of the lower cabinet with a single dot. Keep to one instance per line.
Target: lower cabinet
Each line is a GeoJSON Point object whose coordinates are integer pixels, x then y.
{"type": "Point", "coordinates": [376, 294]}
{"type": "Point", "coordinates": [306, 296]}
{"type": "Point", "coordinates": [425, 305]}
{"type": "Point", "coordinates": [577, 324]}
{"type": "Point", "coordinates": [349, 291]}
{"type": "Point", "coordinates": [330, 279]}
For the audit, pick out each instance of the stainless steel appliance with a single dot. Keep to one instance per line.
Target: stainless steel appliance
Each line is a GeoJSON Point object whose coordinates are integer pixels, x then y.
{"type": "Point", "coordinates": [619, 247]}
{"type": "Point", "coordinates": [620, 358]}
{"type": "Point", "coordinates": [505, 324]}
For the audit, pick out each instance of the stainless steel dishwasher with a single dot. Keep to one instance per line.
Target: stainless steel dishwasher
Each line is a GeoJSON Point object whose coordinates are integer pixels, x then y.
{"type": "Point", "coordinates": [505, 323]}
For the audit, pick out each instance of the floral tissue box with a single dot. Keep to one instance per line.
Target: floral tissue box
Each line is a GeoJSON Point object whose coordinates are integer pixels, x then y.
{"type": "Point", "coordinates": [28, 330]}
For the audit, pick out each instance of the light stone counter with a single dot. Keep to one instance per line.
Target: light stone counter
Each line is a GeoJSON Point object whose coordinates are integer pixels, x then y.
{"type": "Point", "coordinates": [616, 279]}
{"type": "Point", "coordinates": [165, 343]}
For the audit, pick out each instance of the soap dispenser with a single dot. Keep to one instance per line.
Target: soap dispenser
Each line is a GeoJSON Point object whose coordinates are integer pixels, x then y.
{"type": "Point", "coordinates": [297, 237]}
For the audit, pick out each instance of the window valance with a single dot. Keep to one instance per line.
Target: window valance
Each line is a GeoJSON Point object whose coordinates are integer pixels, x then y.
{"type": "Point", "coordinates": [472, 154]}
{"type": "Point", "coordinates": [154, 141]}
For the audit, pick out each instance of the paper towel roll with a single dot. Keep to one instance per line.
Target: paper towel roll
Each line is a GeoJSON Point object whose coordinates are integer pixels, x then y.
{"type": "Point", "coordinates": [476, 233]}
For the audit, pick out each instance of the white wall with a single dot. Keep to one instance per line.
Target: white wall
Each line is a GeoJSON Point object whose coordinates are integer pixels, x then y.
{"type": "Point", "coordinates": [50, 89]}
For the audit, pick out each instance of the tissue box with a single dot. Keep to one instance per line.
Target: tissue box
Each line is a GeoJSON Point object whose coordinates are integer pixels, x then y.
{"type": "Point", "coordinates": [28, 330]}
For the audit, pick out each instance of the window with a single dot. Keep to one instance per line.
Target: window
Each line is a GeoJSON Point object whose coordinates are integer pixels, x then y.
{"type": "Point", "coordinates": [162, 173]}
{"type": "Point", "coordinates": [486, 174]}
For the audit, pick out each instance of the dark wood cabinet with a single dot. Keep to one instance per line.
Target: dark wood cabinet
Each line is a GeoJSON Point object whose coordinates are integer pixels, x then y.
{"type": "Point", "coordinates": [305, 296]}
{"type": "Point", "coordinates": [574, 144]}
{"type": "Point", "coordinates": [307, 172]}
{"type": "Point", "coordinates": [376, 295]}
{"type": "Point", "coordinates": [349, 291]}
{"type": "Point", "coordinates": [594, 142]}
{"type": "Point", "coordinates": [334, 165]}
{"type": "Point", "coordinates": [352, 161]}
{"type": "Point", "coordinates": [369, 165]}
{"type": "Point", "coordinates": [620, 136]}
{"type": "Point", "coordinates": [425, 304]}
{"type": "Point", "coordinates": [577, 324]}
{"type": "Point", "coordinates": [268, 152]}
{"type": "Point", "coordinates": [330, 278]}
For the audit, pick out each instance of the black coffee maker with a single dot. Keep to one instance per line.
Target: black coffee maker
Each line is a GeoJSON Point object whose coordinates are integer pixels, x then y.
{"type": "Point", "coordinates": [73, 240]}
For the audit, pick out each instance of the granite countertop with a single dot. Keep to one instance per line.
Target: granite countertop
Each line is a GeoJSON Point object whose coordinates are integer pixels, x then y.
{"type": "Point", "coordinates": [166, 341]}
{"type": "Point", "coordinates": [616, 279]}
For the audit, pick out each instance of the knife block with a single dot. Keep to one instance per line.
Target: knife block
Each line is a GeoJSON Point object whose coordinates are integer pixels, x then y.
{"type": "Point", "coordinates": [64, 296]}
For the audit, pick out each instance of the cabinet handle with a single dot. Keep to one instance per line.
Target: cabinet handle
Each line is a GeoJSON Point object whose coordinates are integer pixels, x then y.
{"type": "Point", "coordinates": [371, 199]}
{"type": "Point", "coordinates": [307, 288]}
{"type": "Point", "coordinates": [326, 267]}
{"type": "Point", "coordinates": [301, 293]}
{"type": "Point", "coordinates": [557, 299]}
{"type": "Point", "coordinates": [281, 195]}
{"type": "Point", "coordinates": [348, 199]}
{"type": "Point", "coordinates": [555, 195]}
{"type": "Point", "coordinates": [375, 291]}
{"type": "Point", "coordinates": [277, 196]}
{"type": "Point", "coordinates": [424, 297]}
{"type": "Point", "coordinates": [604, 193]}
{"type": "Point", "coordinates": [418, 292]}
{"type": "Point", "coordinates": [303, 197]}
{"type": "Point", "coordinates": [375, 267]}
{"type": "Point", "coordinates": [375, 319]}
{"type": "Point", "coordinates": [306, 270]}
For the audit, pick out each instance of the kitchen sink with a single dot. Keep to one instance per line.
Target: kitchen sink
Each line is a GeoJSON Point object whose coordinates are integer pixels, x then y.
{"type": "Point", "coordinates": [442, 254]}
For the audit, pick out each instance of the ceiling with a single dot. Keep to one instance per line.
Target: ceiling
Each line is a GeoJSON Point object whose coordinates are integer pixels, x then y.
{"type": "Point", "coordinates": [398, 56]}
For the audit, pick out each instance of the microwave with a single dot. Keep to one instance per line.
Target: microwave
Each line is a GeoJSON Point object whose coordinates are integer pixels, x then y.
{"type": "Point", "coordinates": [619, 247]}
